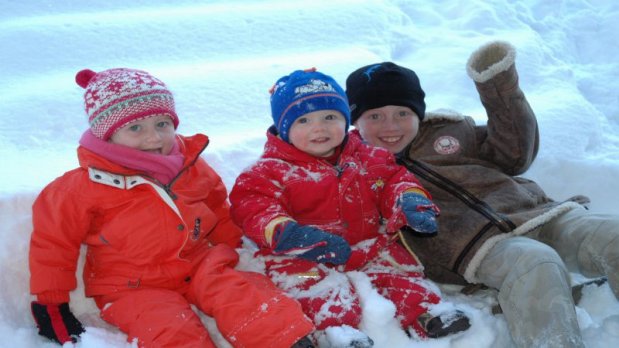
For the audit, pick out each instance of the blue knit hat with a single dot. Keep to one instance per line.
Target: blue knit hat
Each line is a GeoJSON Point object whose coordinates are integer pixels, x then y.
{"type": "Point", "coordinates": [302, 92]}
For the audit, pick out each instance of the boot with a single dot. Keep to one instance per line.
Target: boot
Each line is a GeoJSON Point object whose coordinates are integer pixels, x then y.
{"type": "Point", "coordinates": [344, 337]}
{"type": "Point", "coordinates": [576, 292]}
{"type": "Point", "coordinates": [444, 324]}
{"type": "Point", "coordinates": [305, 342]}
{"type": "Point", "coordinates": [367, 342]}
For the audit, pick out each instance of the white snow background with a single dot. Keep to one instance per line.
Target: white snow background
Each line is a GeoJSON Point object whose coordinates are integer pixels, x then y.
{"type": "Point", "coordinates": [220, 58]}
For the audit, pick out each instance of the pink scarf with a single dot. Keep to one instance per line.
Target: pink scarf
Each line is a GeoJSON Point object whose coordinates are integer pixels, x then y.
{"type": "Point", "coordinates": [163, 168]}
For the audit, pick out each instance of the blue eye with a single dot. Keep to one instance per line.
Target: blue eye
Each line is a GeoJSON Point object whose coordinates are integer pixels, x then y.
{"type": "Point", "coordinates": [302, 120]}
{"type": "Point", "coordinates": [134, 128]}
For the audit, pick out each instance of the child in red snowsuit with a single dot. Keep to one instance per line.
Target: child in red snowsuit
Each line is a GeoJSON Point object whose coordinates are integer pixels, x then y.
{"type": "Point", "coordinates": [319, 202]}
{"type": "Point", "coordinates": [155, 219]}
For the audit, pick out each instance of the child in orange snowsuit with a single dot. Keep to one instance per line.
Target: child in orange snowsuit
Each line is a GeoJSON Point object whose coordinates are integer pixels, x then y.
{"type": "Point", "coordinates": [319, 202]}
{"type": "Point", "coordinates": [155, 219]}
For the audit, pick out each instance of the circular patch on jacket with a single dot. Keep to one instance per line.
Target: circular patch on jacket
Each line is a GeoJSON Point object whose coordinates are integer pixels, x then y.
{"type": "Point", "coordinates": [446, 145]}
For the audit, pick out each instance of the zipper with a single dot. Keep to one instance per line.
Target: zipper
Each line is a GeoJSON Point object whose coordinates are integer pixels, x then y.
{"type": "Point", "coordinates": [340, 169]}
{"type": "Point", "coordinates": [168, 187]}
{"type": "Point", "coordinates": [196, 229]}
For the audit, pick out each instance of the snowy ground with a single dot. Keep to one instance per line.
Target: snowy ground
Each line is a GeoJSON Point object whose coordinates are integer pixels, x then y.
{"type": "Point", "coordinates": [221, 57]}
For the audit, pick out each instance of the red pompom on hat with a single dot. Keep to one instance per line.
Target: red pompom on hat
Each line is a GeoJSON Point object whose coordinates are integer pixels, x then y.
{"type": "Point", "coordinates": [118, 96]}
{"type": "Point", "coordinates": [83, 77]}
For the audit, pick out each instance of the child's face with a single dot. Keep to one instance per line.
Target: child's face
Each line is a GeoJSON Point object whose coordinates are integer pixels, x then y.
{"type": "Point", "coordinates": [392, 127]}
{"type": "Point", "coordinates": [318, 133]}
{"type": "Point", "coordinates": [153, 134]}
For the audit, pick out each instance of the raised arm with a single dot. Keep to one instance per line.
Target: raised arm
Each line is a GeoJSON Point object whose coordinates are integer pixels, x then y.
{"type": "Point", "coordinates": [511, 137]}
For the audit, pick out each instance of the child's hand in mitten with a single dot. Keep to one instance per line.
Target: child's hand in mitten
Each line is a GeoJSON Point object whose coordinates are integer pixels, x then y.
{"type": "Point", "coordinates": [420, 212]}
{"type": "Point", "coordinates": [310, 243]}
{"type": "Point", "coordinates": [56, 322]}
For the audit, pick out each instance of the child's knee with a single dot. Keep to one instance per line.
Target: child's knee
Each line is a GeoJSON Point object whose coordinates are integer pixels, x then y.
{"type": "Point", "coordinates": [157, 318]}
{"type": "Point", "coordinates": [327, 313]}
{"type": "Point", "coordinates": [176, 330]}
{"type": "Point", "coordinates": [538, 261]}
{"type": "Point", "coordinates": [333, 305]}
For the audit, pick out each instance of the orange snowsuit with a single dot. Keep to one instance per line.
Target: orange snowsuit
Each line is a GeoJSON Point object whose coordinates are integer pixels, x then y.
{"type": "Point", "coordinates": [152, 251]}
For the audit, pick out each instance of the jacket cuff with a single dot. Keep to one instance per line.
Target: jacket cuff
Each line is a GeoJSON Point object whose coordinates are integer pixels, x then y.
{"type": "Point", "coordinates": [489, 60]}
{"type": "Point", "coordinates": [53, 297]}
{"type": "Point", "coordinates": [269, 230]}
{"type": "Point", "coordinates": [417, 191]}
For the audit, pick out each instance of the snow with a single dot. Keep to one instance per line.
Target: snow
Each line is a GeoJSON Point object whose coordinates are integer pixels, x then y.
{"type": "Point", "coordinates": [221, 57]}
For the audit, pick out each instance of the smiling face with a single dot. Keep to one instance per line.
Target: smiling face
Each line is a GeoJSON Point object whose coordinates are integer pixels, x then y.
{"type": "Point", "coordinates": [392, 127]}
{"type": "Point", "coordinates": [154, 134]}
{"type": "Point", "coordinates": [318, 133]}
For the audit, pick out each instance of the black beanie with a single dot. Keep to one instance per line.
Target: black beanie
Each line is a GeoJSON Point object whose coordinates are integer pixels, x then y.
{"type": "Point", "coordinates": [377, 85]}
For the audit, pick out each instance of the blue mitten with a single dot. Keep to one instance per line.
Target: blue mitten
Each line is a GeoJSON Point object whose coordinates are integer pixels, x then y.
{"type": "Point", "coordinates": [420, 212]}
{"type": "Point", "coordinates": [310, 243]}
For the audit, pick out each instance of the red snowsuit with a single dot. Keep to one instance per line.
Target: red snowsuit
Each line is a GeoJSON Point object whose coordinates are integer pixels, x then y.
{"type": "Point", "coordinates": [152, 251]}
{"type": "Point", "coordinates": [352, 199]}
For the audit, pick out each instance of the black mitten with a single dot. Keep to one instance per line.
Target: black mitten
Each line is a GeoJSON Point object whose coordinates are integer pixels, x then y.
{"type": "Point", "coordinates": [56, 322]}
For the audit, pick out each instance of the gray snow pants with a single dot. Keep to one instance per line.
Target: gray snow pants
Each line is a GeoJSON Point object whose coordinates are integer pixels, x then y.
{"type": "Point", "coordinates": [532, 275]}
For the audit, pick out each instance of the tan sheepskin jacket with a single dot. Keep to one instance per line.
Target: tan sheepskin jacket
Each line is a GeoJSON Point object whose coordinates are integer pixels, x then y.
{"type": "Point", "coordinates": [471, 171]}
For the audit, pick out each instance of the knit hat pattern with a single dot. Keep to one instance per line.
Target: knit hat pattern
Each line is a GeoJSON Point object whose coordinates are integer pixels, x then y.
{"type": "Point", "coordinates": [377, 85]}
{"type": "Point", "coordinates": [118, 96]}
{"type": "Point", "coordinates": [302, 92]}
